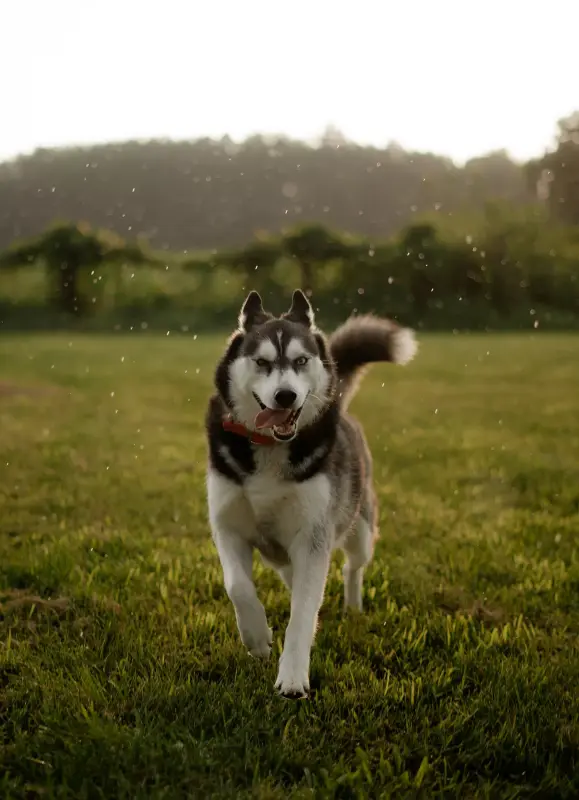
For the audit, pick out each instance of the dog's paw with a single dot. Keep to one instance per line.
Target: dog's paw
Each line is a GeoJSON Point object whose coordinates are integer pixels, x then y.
{"type": "Point", "coordinates": [292, 680]}
{"type": "Point", "coordinates": [293, 689]}
{"type": "Point", "coordinates": [260, 649]}
{"type": "Point", "coordinates": [255, 633]}
{"type": "Point", "coordinates": [258, 641]}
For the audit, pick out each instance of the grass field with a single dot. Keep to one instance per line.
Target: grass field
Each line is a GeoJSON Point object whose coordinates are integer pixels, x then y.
{"type": "Point", "coordinates": [121, 671]}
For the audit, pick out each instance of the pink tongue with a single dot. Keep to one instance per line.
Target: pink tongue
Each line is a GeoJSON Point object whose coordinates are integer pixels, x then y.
{"type": "Point", "coordinates": [270, 417]}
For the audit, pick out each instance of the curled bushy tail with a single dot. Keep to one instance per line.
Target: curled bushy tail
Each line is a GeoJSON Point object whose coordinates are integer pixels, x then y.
{"type": "Point", "coordinates": [364, 340]}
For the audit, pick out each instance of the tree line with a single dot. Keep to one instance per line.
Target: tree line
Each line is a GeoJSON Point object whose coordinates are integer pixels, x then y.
{"type": "Point", "coordinates": [209, 194]}
{"type": "Point", "coordinates": [507, 266]}
{"type": "Point", "coordinates": [362, 229]}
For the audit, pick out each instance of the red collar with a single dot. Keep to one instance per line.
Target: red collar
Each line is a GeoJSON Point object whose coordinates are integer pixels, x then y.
{"type": "Point", "coordinates": [253, 436]}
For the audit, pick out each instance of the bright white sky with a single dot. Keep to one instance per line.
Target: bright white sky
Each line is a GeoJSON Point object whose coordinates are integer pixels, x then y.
{"type": "Point", "coordinates": [459, 77]}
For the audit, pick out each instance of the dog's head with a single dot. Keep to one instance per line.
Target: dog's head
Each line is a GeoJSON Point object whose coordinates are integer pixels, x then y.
{"type": "Point", "coordinates": [276, 373]}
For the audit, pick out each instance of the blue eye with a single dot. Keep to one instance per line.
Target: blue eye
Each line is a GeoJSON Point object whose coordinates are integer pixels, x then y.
{"type": "Point", "coordinates": [301, 361]}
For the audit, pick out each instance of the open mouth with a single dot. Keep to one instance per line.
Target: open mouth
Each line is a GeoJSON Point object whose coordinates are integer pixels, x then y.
{"type": "Point", "coordinates": [282, 421]}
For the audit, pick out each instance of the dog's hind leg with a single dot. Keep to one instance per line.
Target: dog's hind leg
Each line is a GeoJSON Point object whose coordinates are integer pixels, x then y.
{"type": "Point", "coordinates": [286, 574]}
{"type": "Point", "coordinates": [359, 548]}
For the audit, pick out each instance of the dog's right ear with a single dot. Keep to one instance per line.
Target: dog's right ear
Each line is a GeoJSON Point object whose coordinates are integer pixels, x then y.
{"type": "Point", "coordinates": [252, 312]}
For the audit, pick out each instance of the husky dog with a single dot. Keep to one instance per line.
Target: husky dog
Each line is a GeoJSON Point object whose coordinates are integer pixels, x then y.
{"type": "Point", "coordinates": [289, 471]}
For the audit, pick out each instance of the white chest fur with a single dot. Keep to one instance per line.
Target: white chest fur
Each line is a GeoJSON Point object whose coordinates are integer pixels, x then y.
{"type": "Point", "coordinates": [267, 490]}
{"type": "Point", "coordinates": [268, 507]}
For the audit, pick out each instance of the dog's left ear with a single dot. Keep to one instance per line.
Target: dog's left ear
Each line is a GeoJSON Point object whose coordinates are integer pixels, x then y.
{"type": "Point", "coordinates": [301, 310]}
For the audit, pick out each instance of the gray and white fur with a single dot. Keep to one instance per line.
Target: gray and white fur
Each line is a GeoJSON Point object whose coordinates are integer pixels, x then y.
{"type": "Point", "coordinates": [298, 498]}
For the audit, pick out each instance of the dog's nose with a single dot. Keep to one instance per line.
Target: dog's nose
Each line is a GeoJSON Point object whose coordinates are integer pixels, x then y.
{"type": "Point", "coordinates": [285, 398]}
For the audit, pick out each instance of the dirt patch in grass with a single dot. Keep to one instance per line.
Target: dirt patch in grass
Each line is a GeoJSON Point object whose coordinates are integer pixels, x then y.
{"type": "Point", "coordinates": [15, 389]}
{"type": "Point", "coordinates": [457, 602]}
{"type": "Point", "coordinates": [21, 600]}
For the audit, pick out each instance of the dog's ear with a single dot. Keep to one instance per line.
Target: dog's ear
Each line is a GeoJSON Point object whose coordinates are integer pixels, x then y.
{"type": "Point", "coordinates": [301, 310]}
{"type": "Point", "coordinates": [252, 312]}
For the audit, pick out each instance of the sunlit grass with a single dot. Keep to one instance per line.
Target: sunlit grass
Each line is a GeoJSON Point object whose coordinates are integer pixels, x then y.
{"type": "Point", "coordinates": [121, 671]}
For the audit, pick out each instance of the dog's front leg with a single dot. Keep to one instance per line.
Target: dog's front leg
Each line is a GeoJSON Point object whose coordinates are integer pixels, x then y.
{"type": "Point", "coordinates": [230, 520]}
{"type": "Point", "coordinates": [310, 557]}
{"type": "Point", "coordinates": [235, 555]}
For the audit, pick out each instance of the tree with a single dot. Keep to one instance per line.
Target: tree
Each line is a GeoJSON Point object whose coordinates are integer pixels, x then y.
{"type": "Point", "coordinates": [555, 176]}
{"type": "Point", "coordinates": [419, 244]}
{"type": "Point", "coordinates": [66, 249]}
{"type": "Point", "coordinates": [311, 246]}
{"type": "Point", "coordinates": [261, 253]}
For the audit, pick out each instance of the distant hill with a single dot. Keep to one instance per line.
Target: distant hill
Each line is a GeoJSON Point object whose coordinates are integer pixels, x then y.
{"type": "Point", "coordinates": [209, 194]}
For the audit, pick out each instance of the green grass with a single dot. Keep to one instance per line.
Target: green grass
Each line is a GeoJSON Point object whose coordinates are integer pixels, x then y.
{"type": "Point", "coordinates": [121, 671]}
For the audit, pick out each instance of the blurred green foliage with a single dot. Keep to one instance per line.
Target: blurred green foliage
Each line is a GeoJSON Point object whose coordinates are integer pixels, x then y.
{"type": "Point", "coordinates": [508, 266]}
